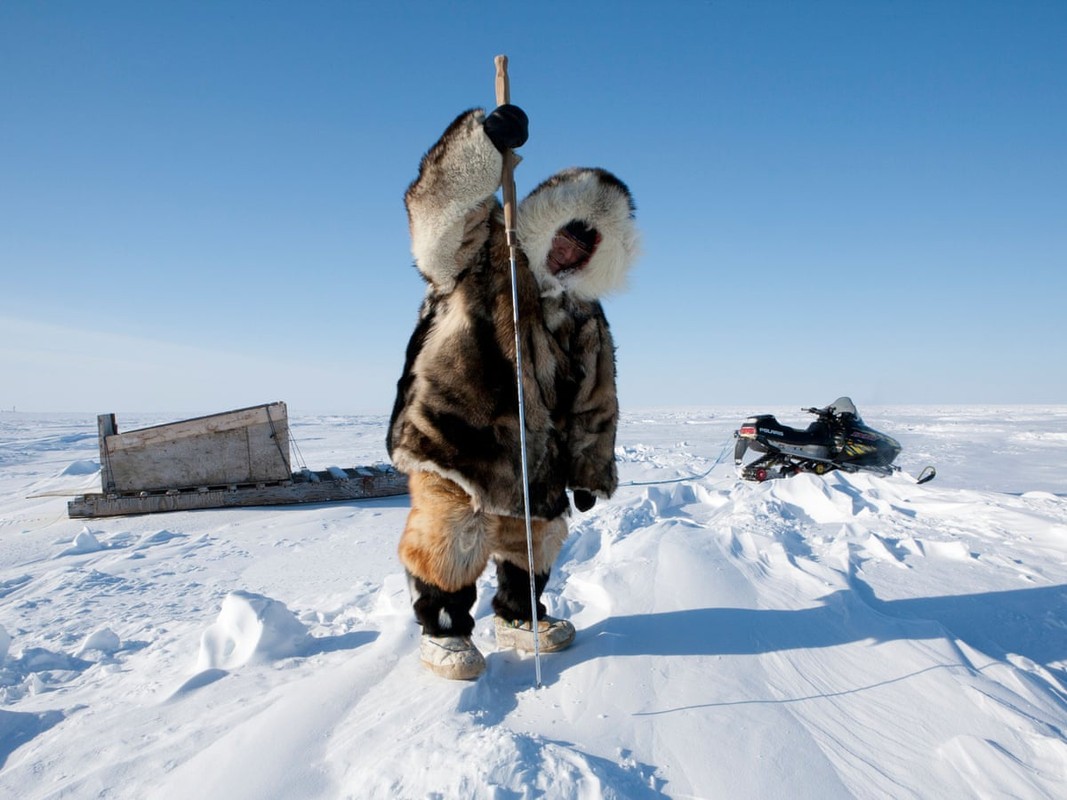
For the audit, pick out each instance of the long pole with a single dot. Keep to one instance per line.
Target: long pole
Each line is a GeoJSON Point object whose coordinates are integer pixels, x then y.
{"type": "Point", "coordinates": [507, 183]}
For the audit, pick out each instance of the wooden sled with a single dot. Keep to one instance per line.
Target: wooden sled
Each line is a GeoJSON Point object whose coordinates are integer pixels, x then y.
{"type": "Point", "coordinates": [236, 458]}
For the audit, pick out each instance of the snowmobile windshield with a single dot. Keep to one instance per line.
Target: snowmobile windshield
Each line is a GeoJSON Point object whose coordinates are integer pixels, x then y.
{"type": "Point", "coordinates": [844, 405]}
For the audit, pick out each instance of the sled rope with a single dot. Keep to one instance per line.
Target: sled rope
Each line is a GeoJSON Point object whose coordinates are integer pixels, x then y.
{"type": "Point", "coordinates": [296, 449]}
{"type": "Point", "coordinates": [292, 442]}
{"type": "Point", "coordinates": [718, 461]}
{"type": "Point", "coordinates": [507, 185]}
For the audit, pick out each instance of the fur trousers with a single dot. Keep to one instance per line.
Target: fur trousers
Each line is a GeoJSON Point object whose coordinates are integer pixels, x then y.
{"type": "Point", "coordinates": [447, 544]}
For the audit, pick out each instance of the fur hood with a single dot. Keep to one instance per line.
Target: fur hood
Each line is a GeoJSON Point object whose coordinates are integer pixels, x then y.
{"type": "Point", "coordinates": [601, 201]}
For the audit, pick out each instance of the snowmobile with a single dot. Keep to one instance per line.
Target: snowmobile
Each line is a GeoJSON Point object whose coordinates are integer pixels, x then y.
{"type": "Point", "coordinates": [837, 439]}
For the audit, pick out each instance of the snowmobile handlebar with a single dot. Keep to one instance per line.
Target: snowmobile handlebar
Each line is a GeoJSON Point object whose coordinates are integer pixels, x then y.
{"type": "Point", "coordinates": [827, 414]}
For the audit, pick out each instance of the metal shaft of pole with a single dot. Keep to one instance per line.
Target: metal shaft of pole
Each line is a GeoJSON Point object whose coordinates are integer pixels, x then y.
{"type": "Point", "coordinates": [507, 182]}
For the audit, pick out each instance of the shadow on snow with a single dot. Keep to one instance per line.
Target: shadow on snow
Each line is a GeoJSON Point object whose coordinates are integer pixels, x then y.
{"type": "Point", "coordinates": [17, 728]}
{"type": "Point", "coordinates": [1026, 622]}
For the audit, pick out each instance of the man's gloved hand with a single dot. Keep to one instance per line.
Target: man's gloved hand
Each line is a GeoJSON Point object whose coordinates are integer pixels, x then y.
{"type": "Point", "coordinates": [583, 500]}
{"type": "Point", "coordinates": [507, 127]}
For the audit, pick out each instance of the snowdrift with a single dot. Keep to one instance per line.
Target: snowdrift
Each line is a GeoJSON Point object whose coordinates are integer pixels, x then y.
{"type": "Point", "coordinates": [819, 637]}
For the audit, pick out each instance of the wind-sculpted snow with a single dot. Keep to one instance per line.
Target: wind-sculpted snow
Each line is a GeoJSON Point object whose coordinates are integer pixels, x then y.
{"type": "Point", "coordinates": [83, 467]}
{"type": "Point", "coordinates": [818, 637]}
{"type": "Point", "coordinates": [250, 629]}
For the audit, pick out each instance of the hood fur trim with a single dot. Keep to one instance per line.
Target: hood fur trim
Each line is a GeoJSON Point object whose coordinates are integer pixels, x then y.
{"type": "Point", "coordinates": [601, 201]}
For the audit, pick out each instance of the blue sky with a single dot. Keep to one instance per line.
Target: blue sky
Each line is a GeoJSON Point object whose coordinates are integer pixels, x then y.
{"type": "Point", "coordinates": [201, 203]}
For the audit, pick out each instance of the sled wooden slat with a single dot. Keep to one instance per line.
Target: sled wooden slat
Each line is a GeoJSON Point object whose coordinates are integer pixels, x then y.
{"type": "Point", "coordinates": [248, 445]}
{"type": "Point", "coordinates": [362, 483]}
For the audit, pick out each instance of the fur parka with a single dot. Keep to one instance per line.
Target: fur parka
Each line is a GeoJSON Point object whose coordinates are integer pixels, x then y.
{"type": "Point", "coordinates": [456, 412]}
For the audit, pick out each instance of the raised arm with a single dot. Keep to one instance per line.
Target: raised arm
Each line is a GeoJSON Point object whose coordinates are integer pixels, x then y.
{"type": "Point", "coordinates": [450, 202]}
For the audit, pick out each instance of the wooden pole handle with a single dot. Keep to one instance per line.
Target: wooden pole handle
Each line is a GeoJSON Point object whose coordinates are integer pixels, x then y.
{"type": "Point", "coordinates": [503, 88]}
{"type": "Point", "coordinates": [507, 179]}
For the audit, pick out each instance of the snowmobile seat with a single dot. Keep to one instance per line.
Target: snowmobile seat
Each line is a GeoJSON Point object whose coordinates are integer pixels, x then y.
{"type": "Point", "coordinates": [817, 433]}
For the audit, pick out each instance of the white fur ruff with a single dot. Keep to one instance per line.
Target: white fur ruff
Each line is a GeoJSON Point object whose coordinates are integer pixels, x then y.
{"type": "Point", "coordinates": [580, 194]}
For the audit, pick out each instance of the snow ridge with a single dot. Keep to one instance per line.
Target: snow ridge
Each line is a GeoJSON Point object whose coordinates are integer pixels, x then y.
{"type": "Point", "coordinates": [835, 636]}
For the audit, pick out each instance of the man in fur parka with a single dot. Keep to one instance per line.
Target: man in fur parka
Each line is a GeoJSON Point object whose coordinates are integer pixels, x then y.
{"type": "Point", "coordinates": [455, 424]}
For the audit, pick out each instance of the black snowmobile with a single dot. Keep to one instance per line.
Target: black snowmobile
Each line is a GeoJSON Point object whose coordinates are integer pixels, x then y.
{"type": "Point", "coordinates": [837, 439]}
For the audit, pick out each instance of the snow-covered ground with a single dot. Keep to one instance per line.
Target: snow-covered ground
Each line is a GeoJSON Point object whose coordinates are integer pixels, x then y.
{"type": "Point", "coordinates": [816, 637]}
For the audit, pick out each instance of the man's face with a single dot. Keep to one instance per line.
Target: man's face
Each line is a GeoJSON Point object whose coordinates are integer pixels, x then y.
{"type": "Point", "coordinates": [565, 254]}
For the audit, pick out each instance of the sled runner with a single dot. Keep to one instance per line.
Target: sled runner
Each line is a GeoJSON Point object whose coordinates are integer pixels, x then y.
{"type": "Point", "coordinates": [235, 458]}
